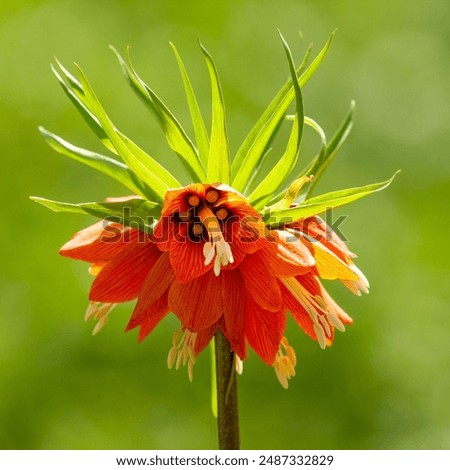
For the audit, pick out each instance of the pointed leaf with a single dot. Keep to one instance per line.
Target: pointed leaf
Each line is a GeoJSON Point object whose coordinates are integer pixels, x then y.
{"type": "Point", "coordinates": [142, 165]}
{"type": "Point", "coordinates": [175, 135]}
{"type": "Point", "coordinates": [201, 135]}
{"type": "Point", "coordinates": [136, 213]}
{"type": "Point", "coordinates": [113, 168]}
{"type": "Point", "coordinates": [76, 95]}
{"type": "Point", "coordinates": [218, 159]}
{"type": "Point", "coordinates": [321, 162]}
{"type": "Point", "coordinates": [321, 203]}
{"type": "Point", "coordinates": [158, 178]}
{"type": "Point", "coordinates": [266, 189]}
{"type": "Point", "coordinates": [277, 199]}
{"type": "Point", "coordinates": [256, 141]}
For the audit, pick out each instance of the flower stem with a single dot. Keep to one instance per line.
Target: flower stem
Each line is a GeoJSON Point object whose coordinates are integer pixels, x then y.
{"type": "Point", "coordinates": [227, 399]}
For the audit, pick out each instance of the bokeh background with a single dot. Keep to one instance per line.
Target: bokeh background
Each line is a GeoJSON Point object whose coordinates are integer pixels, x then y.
{"type": "Point", "coordinates": [385, 382]}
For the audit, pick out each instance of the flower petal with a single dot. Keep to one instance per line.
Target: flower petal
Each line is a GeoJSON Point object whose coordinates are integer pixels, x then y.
{"type": "Point", "coordinates": [318, 229]}
{"type": "Point", "coordinates": [155, 286]}
{"type": "Point", "coordinates": [260, 282]}
{"type": "Point", "coordinates": [164, 232]}
{"type": "Point", "coordinates": [234, 297]}
{"type": "Point", "coordinates": [204, 337]}
{"type": "Point", "coordinates": [247, 234]}
{"type": "Point", "coordinates": [287, 256]}
{"type": "Point", "coordinates": [121, 279]}
{"type": "Point", "coordinates": [298, 313]}
{"type": "Point", "coordinates": [198, 304]}
{"type": "Point", "coordinates": [328, 264]}
{"type": "Point", "coordinates": [175, 200]}
{"type": "Point", "coordinates": [101, 242]}
{"type": "Point", "coordinates": [152, 316]}
{"type": "Point", "coordinates": [264, 330]}
{"type": "Point", "coordinates": [187, 259]}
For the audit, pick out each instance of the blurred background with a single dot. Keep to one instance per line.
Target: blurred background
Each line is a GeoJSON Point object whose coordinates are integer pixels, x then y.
{"type": "Point", "coordinates": [384, 384]}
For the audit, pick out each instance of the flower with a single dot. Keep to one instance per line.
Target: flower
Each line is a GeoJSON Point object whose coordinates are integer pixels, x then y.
{"type": "Point", "coordinates": [234, 250]}
{"type": "Point", "coordinates": [214, 264]}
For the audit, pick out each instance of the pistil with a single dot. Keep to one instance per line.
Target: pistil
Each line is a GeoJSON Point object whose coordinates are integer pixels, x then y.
{"type": "Point", "coordinates": [216, 248]}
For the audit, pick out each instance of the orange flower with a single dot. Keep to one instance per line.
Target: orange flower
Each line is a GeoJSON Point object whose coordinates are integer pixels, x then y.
{"type": "Point", "coordinates": [214, 264]}
{"type": "Point", "coordinates": [234, 259]}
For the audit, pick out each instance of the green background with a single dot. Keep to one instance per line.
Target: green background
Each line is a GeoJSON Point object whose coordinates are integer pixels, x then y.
{"type": "Point", "coordinates": [385, 382]}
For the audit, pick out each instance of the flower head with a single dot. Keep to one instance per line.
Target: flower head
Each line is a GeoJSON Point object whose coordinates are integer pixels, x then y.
{"type": "Point", "coordinates": [224, 253]}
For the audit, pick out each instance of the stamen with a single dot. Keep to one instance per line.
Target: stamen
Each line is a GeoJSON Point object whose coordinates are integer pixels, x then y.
{"type": "Point", "coordinates": [212, 195]}
{"type": "Point", "coordinates": [182, 351]}
{"type": "Point", "coordinates": [318, 330]}
{"type": "Point", "coordinates": [312, 307]}
{"type": "Point", "coordinates": [285, 362]}
{"type": "Point", "coordinates": [100, 312]}
{"type": "Point", "coordinates": [208, 252]}
{"type": "Point", "coordinates": [239, 364]}
{"type": "Point", "coordinates": [217, 248]}
{"type": "Point", "coordinates": [193, 200]}
{"type": "Point", "coordinates": [336, 322]}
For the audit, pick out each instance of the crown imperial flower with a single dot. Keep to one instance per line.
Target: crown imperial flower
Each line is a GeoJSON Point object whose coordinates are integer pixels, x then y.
{"type": "Point", "coordinates": [235, 251]}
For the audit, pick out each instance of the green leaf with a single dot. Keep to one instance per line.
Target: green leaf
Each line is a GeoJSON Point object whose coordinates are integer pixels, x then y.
{"type": "Point", "coordinates": [218, 159]}
{"type": "Point", "coordinates": [141, 164]}
{"type": "Point", "coordinates": [305, 60]}
{"type": "Point", "coordinates": [265, 190]}
{"type": "Point", "coordinates": [321, 203]}
{"type": "Point", "coordinates": [256, 141]}
{"type": "Point", "coordinates": [175, 135]}
{"type": "Point", "coordinates": [113, 168]}
{"type": "Point", "coordinates": [75, 93]}
{"type": "Point", "coordinates": [201, 135]}
{"type": "Point", "coordinates": [315, 64]}
{"type": "Point", "coordinates": [328, 151]}
{"type": "Point", "coordinates": [136, 213]}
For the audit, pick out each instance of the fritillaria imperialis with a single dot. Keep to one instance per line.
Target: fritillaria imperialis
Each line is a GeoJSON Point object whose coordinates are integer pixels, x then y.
{"type": "Point", "coordinates": [234, 251]}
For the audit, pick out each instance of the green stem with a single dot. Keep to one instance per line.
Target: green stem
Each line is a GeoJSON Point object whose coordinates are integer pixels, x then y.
{"type": "Point", "coordinates": [227, 399]}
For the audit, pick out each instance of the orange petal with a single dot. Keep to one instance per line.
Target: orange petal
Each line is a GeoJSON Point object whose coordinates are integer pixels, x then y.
{"type": "Point", "coordinates": [187, 259]}
{"type": "Point", "coordinates": [156, 284]}
{"type": "Point", "coordinates": [152, 316]}
{"type": "Point", "coordinates": [175, 200]}
{"type": "Point", "coordinates": [298, 313]}
{"type": "Point", "coordinates": [101, 242]}
{"type": "Point", "coordinates": [245, 234]}
{"type": "Point", "coordinates": [237, 205]}
{"type": "Point", "coordinates": [164, 232]}
{"type": "Point", "coordinates": [198, 304]}
{"type": "Point", "coordinates": [264, 330]}
{"type": "Point", "coordinates": [319, 230]}
{"type": "Point", "coordinates": [234, 297]}
{"type": "Point", "coordinates": [204, 337]}
{"type": "Point", "coordinates": [287, 256]}
{"type": "Point", "coordinates": [260, 282]}
{"type": "Point", "coordinates": [121, 279]}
